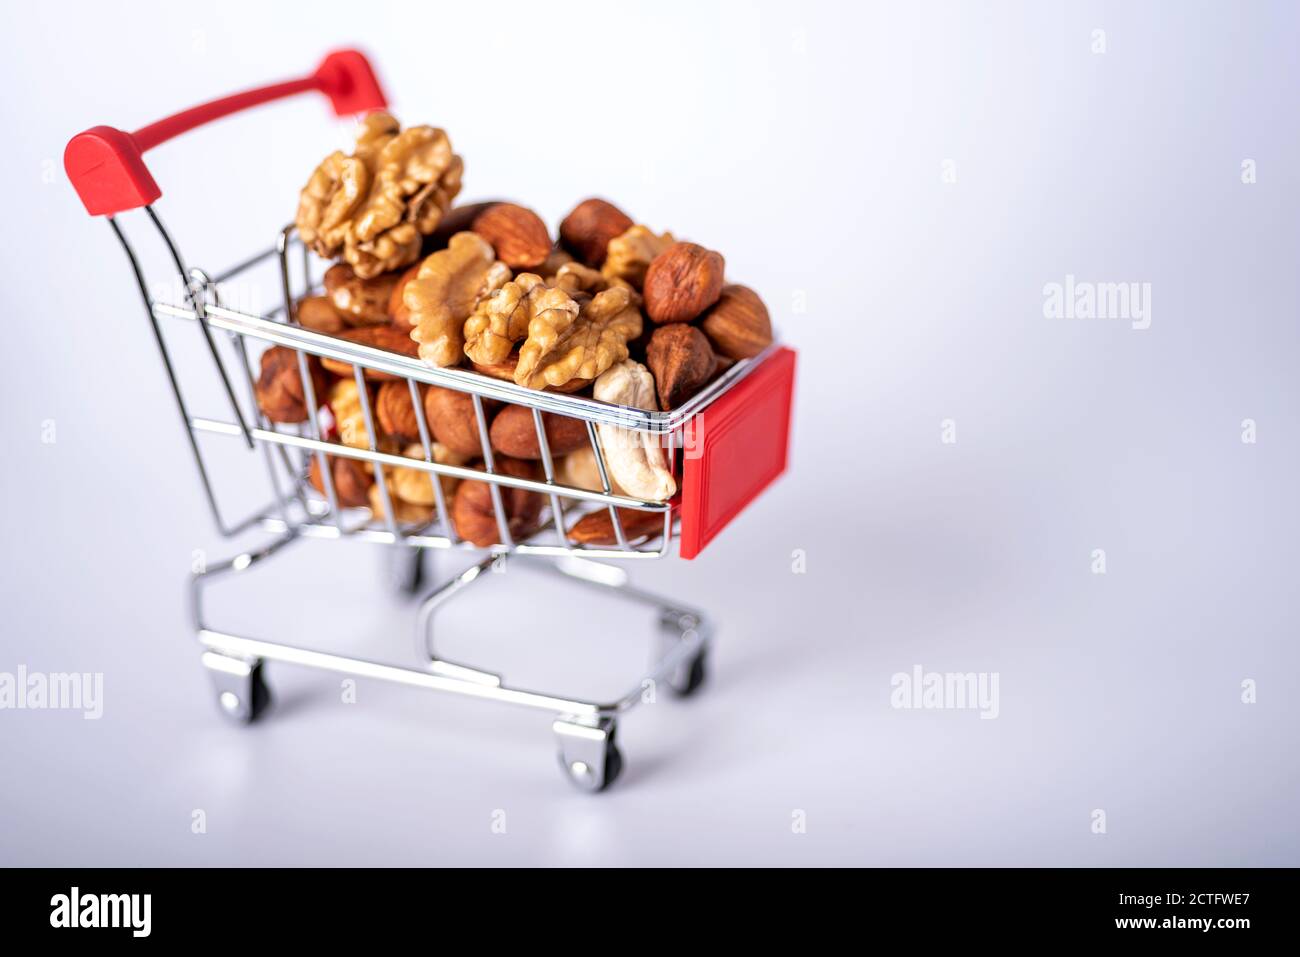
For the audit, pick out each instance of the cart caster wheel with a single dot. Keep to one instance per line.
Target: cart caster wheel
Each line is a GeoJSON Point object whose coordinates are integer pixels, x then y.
{"type": "Point", "coordinates": [242, 693]}
{"type": "Point", "coordinates": [588, 754]}
{"type": "Point", "coordinates": [691, 675]}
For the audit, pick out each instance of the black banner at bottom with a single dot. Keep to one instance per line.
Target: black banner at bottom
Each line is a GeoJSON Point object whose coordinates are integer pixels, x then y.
{"type": "Point", "coordinates": [306, 905]}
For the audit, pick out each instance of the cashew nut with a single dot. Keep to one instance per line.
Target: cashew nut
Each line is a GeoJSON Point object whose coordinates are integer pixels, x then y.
{"type": "Point", "coordinates": [635, 460]}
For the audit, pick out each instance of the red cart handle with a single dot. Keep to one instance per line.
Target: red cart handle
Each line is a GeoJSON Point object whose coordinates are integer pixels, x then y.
{"type": "Point", "coordinates": [106, 165]}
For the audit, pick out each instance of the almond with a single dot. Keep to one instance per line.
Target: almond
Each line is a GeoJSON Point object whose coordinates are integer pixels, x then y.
{"type": "Point", "coordinates": [397, 311]}
{"type": "Point", "coordinates": [377, 337]}
{"type": "Point", "coordinates": [517, 234]}
{"type": "Point", "coordinates": [457, 220]}
{"type": "Point", "coordinates": [683, 281]}
{"type": "Point", "coordinates": [589, 228]}
{"type": "Point", "coordinates": [318, 314]}
{"type": "Point", "coordinates": [498, 370]}
{"type": "Point", "coordinates": [738, 325]}
{"type": "Point", "coordinates": [359, 302]}
{"type": "Point", "coordinates": [597, 528]}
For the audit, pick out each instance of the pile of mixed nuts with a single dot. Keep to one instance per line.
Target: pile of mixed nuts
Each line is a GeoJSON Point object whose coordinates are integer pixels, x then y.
{"type": "Point", "coordinates": [486, 286]}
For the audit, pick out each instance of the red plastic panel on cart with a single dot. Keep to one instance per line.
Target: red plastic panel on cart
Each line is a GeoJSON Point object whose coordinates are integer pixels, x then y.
{"type": "Point", "coordinates": [741, 443]}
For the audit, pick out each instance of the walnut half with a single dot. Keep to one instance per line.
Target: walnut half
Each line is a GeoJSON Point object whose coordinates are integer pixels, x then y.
{"type": "Point", "coordinates": [446, 290]}
{"type": "Point", "coordinates": [504, 317]}
{"type": "Point", "coordinates": [562, 346]}
{"type": "Point", "coordinates": [374, 207]}
{"type": "Point", "coordinates": [630, 254]}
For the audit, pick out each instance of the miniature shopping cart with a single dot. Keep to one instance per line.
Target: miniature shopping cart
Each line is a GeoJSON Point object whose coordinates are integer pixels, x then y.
{"type": "Point", "coordinates": [726, 444]}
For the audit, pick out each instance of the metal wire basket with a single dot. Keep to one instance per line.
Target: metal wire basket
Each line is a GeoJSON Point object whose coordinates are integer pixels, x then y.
{"type": "Point", "coordinates": [726, 444]}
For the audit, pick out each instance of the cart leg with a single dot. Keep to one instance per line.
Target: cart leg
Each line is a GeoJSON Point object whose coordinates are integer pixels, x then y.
{"type": "Point", "coordinates": [407, 568]}
{"type": "Point", "coordinates": [675, 627]}
{"type": "Point", "coordinates": [585, 730]}
{"type": "Point", "coordinates": [242, 693]}
{"type": "Point", "coordinates": [424, 626]}
{"type": "Point", "coordinates": [684, 634]}
{"type": "Point", "coordinates": [588, 754]}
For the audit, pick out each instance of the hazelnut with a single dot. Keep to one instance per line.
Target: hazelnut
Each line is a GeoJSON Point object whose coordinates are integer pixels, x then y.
{"type": "Point", "coordinates": [472, 510]}
{"type": "Point", "coordinates": [395, 412]}
{"type": "Point", "coordinates": [452, 420]}
{"type": "Point", "coordinates": [279, 388]}
{"type": "Point", "coordinates": [681, 360]}
{"type": "Point", "coordinates": [351, 480]}
{"type": "Point", "coordinates": [514, 433]}
{"type": "Point", "coordinates": [683, 281]}
{"type": "Point", "coordinates": [589, 228]}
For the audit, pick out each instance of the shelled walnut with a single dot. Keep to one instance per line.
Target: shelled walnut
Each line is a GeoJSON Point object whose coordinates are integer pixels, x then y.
{"type": "Point", "coordinates": [503, 318]}
{"type": "Point", "coordinates": [373, 207]}
{"type": "Point", "coordinates": [448, 287]}
{"type": "Point", "coordinates": [575, 278]}
{"type": "Point", "coordinates": [630, 254]}
{"type": "Point", "coordinates": [505, 371]}
{"type": "Point", "coordinates": [563, 346]}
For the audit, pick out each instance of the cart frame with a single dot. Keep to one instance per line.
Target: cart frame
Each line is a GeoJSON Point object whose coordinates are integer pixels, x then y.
{"type": "Point", "coordinates": [105, 166]}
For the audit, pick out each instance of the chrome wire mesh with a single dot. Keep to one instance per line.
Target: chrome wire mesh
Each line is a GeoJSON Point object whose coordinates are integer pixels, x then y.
{"type": "Point", "coordinates": [286, 451]}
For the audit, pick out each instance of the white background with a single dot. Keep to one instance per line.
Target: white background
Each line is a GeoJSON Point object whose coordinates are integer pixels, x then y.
{"type": "Point", "coordinates": [806, 142]}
